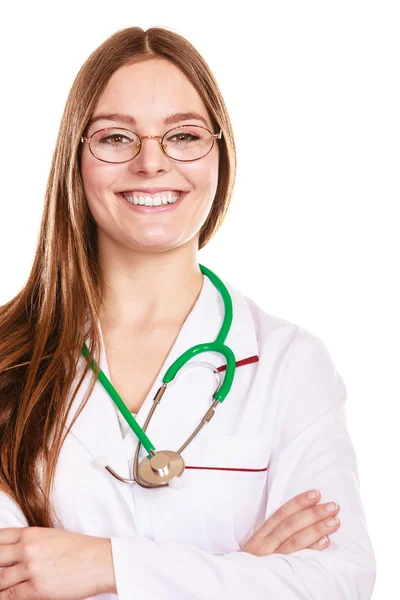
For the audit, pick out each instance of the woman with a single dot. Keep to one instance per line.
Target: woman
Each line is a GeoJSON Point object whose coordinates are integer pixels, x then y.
{"type": "Point", "coordinates": [141, 179]}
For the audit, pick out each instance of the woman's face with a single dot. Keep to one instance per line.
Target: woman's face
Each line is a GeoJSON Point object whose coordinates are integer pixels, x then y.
{"type": "Point", "coordinates": [149, 92]}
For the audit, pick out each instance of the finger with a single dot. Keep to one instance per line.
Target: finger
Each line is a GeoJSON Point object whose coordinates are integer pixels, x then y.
{"type": "Point", "coordinates": [307, 537]}
{"type": "Point", "coordinates": [295, 505]}
{"type": "Point", "coordinates": [10, 535]}
{"type": "Point", "coordinates": [321, 544]}
{"type": "Point", "coordinates": [303, 520]}
{"type": "Point", "coordinates": [12, 576]}
{"type": "Point", "coordinates": [8, 555]}
{"type": "Point", "coordinates": [21, 591]}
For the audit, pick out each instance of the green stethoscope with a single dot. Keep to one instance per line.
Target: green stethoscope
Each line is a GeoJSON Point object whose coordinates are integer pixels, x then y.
{"type": "Point", "coordinates": [161, 468]}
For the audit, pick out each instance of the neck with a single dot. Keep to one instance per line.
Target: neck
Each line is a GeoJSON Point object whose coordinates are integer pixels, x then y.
{"type": "Point", "coordinates": [142, 291]}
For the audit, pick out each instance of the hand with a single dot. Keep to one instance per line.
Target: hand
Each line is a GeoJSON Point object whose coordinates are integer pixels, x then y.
{"type": "Point", "coordinates": [298, 524]}
{"type": "Point", "coordinates": [53, 564]}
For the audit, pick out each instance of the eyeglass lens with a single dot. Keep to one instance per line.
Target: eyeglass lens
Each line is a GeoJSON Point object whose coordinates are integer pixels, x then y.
{"type": "Point", "coordinates": [115, 144]}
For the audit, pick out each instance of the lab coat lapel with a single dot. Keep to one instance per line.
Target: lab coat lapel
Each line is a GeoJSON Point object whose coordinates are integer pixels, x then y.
{"type": "Point", "coordinates": [190, 395]}
{"type": "Point", "coordinates": [97, 427]}
{"type": "Point", "coordinates": [185, 401]}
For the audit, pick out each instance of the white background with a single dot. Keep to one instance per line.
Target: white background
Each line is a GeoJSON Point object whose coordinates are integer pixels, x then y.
{"type": "Point", "coordinates": [312, 89]}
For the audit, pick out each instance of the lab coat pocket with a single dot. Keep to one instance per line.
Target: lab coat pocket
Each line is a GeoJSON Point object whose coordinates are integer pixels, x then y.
{"type": "Point", "coordinates": [232, 479]}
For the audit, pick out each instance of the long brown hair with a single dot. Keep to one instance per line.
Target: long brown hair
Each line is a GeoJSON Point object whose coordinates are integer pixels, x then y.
{"type": "Point", "coordinates": [43, 328]}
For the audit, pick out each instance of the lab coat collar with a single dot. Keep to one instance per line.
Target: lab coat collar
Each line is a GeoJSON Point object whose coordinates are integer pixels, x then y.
{"type": "Point", "coordinates": [97, 427]}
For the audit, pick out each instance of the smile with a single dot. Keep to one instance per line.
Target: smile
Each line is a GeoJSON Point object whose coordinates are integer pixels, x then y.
{"type": "Point", "coordinates": [149, 200]}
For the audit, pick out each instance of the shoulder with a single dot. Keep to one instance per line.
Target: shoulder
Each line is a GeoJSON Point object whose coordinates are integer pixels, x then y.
{"type": "Point", "coordinates": [300, 363]}
{"type": "Point", "coordinates": [274, 330]}
{"type": "Point", "coordinates": [296, 352]}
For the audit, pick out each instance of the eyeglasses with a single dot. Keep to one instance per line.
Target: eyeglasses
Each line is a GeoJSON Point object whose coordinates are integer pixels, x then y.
{"type": "Point", "coordinates": [184, 143]}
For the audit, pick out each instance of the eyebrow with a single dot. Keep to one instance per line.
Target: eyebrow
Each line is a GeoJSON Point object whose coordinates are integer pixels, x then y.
{"type": "Point", "coordinates": [124, 118]}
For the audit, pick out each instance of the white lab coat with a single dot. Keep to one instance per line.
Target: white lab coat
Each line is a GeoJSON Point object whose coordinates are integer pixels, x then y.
{"type": "Point", "coordinates": [284, 420]}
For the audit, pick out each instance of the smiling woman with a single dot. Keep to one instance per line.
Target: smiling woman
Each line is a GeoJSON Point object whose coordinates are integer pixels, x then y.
{"type": "Point", "coordinates": [141, 179]}
{"type": "Point", "coordinates": [141, 95]}
{"type": "Point", "coordinates": [150, 81]}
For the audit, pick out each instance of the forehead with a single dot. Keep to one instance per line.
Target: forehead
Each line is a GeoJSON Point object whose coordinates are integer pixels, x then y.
{"type": "Point", "coordinates": [148, 91]}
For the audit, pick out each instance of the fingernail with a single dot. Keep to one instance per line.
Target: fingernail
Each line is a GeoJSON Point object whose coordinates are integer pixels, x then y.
{"type": "Point", "coordinates": [313, 494]}
{"type": "Point", "coordinates": [333, 522]}
{"type": "Point", "coordinates": [323, 541]}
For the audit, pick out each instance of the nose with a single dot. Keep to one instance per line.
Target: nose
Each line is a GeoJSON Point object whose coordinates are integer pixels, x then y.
{"type": "Point", "coordinates": [151, 158]}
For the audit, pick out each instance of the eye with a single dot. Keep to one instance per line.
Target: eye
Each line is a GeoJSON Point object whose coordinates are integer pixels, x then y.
{"type": "Point", "coordinates": [183, 138]}
{"type": "Point", "coordinates": [116, 139]}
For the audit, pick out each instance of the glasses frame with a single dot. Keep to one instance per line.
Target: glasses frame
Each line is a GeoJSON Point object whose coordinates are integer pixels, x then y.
{"type": "Point", "coordinates": [160, 139]}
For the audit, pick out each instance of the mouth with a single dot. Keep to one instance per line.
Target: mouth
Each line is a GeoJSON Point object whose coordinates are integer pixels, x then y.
{"type": "Point", "coordinates": [158, 202]}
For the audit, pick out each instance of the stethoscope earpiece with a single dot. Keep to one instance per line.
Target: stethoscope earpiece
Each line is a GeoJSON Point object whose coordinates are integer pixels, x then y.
{"type": "Point", "coordinates": [102, 461]}
{"type": "Point", "coordinates": [175, 483]}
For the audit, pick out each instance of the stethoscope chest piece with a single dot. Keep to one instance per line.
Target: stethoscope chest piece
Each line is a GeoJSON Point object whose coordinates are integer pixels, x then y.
{"type": "Point", "coordinates": [161, 468]}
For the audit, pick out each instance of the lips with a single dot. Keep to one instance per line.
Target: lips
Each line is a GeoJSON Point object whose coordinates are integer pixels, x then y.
{"type": "Point", "coordinates": [152, 209]}
{"type": "Point", "coordinates": [150, 193]}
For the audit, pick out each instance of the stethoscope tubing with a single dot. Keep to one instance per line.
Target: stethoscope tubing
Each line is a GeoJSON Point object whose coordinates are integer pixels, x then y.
{"type": "Point", "coordinates": [180, 363]}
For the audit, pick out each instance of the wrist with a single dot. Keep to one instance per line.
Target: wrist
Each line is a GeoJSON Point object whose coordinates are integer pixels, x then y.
{"type": "Point", "coordinates": [105, 567]}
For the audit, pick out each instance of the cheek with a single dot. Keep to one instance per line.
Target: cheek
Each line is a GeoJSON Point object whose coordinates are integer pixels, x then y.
{"type": "Point", "coordinates": [89, 174]}
{"type": "Point", "coordinates": [96, 177]}
{"type": "Point", "coordinates": [213, 170]}
{"type": "Point", "coordinates": [204, 174]}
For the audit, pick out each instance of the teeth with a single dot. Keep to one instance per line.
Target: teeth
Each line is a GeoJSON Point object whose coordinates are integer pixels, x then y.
{"type": "Point", "coordinates": [157, 200]}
